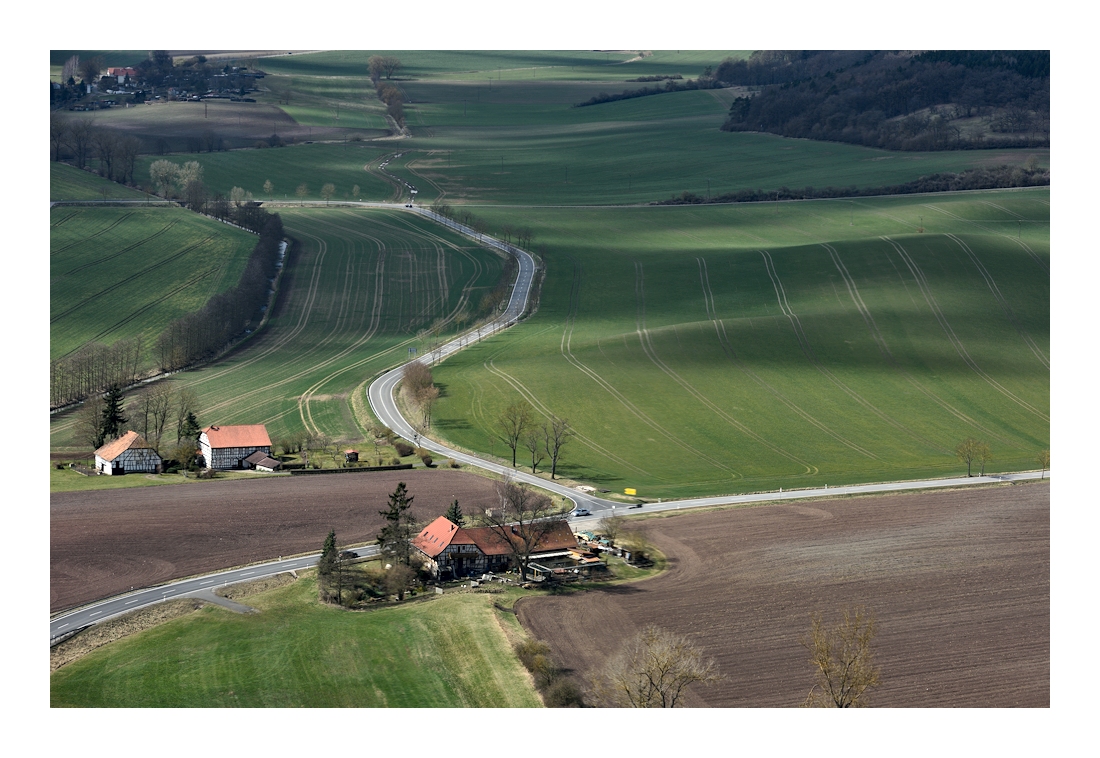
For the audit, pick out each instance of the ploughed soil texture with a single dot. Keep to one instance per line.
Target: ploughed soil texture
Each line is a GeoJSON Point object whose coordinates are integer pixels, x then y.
{"type": "Point", "coordinates": [958, 581]}
{"type": "Point", "coordinates": [104, 542]}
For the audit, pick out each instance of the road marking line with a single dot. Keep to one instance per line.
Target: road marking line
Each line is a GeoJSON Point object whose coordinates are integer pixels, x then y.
{"type": "Point", "coordinates": [248, 573]}
{"type": "Point", "coordinates": [94, 614]}
{"type": "Point", "coordinates": [61, 627]}
{"type": "Point", "coordinates": [132, 601]}
{"type": "Point", "coordinates": [209, 581]}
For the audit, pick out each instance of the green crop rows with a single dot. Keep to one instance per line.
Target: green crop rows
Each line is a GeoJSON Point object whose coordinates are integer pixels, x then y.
{"type": "Point", "coordinates": [117, 273]}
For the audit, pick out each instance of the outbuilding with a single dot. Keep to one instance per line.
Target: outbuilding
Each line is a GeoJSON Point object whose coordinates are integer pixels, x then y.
{"type": "Point", "coordinates": [130, 453]}
{"type": "Point", "coordinates": [228, 447]}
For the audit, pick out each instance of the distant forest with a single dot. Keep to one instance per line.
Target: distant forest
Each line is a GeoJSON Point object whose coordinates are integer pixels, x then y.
{"type": "Point", "coordinates": [937, 100]}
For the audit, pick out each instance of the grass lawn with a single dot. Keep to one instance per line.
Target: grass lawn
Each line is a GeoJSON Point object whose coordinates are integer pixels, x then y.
{"type": "Point", "coordinates": [446, 651]}
{"type": "Point", "coordinates": [67, 480]}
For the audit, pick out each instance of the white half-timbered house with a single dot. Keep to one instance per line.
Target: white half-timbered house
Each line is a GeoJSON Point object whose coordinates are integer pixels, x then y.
{"type": "Point", "coordinates": [227, 447]}
{"type": "Point", "coordinates": [128, 454]}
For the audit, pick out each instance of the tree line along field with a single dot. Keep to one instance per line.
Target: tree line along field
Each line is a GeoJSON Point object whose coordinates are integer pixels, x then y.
{"type": "Point", "coordinates": [632, 151]}
{"type": "Point", "coordinates": [358, 290]}
{"type": "Point", "coordinates": [707, 350]}
{"type": "Point", "coordinates": [120, 273]}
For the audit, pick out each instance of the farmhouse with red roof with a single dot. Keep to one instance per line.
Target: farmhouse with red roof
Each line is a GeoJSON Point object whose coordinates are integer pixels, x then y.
{"type": "Point", "coordinates": [130, 453]}
{"type": "Point", "coordinates": [228, 447]}
{"type": "Point", "coordinates": [453, 550]}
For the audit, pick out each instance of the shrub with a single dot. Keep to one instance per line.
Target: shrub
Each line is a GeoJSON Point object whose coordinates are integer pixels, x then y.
{"type": "Point", "coordinates": [403, 448]}
{"type": "Point", "coordinates": [424, 455]}
{"type": "Point", "coordinates": [529, 651]}
{"type": "Point", "coordinates": [563, 694]}
{"type": "Point", "coordinates": [452, 463]}
{"type": "Point", "coordinates": [395, 461]}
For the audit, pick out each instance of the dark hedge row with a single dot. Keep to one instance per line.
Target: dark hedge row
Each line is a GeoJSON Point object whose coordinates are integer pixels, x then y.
{"type": "Point", "coordinates": [202, 334]}
{"type": "Point", "coordinates": [999, 177]}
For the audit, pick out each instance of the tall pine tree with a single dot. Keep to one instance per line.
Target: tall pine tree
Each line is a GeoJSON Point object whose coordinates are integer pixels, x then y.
{"type": "Point", "coordinates": [113, 417]}
{"type": "Point", "coordinates": [395, 538]}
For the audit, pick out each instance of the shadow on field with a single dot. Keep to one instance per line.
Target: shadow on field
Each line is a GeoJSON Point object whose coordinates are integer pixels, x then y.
{"type": "Point", "coordinates": [451, 423]}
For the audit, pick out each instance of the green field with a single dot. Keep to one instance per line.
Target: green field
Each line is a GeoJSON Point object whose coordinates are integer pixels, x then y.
{"type": "Point", "coordinates": [69, 183]}
{"type": "Point", "coordinates": [354, 299]}
{"type": "Point", "coordinates": [705, 350]}
{"type": "Point", "coordinates": [443, 652]}
{"type": "Point", "coordinates": [632, 151]}
{"type": "Point", "coordinates": [117, 273]}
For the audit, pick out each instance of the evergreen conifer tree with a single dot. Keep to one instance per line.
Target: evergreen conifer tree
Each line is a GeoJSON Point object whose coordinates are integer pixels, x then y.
{"type": "Point", "coordinates": [113, 416]}
{"type": "Point", "coordinates": [454, 514]}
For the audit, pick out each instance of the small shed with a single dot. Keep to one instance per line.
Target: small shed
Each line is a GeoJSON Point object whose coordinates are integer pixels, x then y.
{"type": "Point", "coordinates": [351, 456]}
{"type": "Point", "coordinates": [261, 461]}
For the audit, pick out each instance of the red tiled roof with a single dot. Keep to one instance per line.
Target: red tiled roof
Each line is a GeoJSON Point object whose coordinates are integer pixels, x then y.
{"type": "Point", "coordinates": [117, 447]}
{"type": "Point", "coordinates": [491, 542]}
{"type": "Point", "coordinates": [248, 435]}
{"type": "Point", "coordinates": [436, 536]}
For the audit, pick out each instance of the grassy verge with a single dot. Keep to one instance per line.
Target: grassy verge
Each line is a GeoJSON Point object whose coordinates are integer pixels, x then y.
{"type": "Point", "coordinates": [444, 652]}
{"type": "Point", "coordinates": [67, 480]}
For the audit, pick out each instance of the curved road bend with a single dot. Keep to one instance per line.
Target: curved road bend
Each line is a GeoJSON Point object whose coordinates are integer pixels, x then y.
{"type": "Point", "coordinates": [382, 403]}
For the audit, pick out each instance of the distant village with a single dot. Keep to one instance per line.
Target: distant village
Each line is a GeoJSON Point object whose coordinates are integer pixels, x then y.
{"type": "Point", "coordinates": [87, 85]}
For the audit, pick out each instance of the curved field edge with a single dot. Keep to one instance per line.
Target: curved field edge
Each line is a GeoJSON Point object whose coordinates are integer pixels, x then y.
{"type": "Point", "coordinates": [944, 573]}
{"type": "Point", "coordinates": [447, 651]}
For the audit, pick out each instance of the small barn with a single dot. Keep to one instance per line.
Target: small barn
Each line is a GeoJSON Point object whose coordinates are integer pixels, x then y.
{"type": "Point", "coordinates": [228, 447]}
{"type": "Point", "coordinates": [130, 453]}
{"type": "Point", "coordinates": [351, 456]}
{"type": "Point", "coordinates": [261, 461]}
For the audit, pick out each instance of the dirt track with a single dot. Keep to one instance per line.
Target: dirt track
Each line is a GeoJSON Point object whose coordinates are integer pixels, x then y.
{"type": "Point", "coordinates": [103, 542]}
{"type": "Point", "coordinates": [958, 581]}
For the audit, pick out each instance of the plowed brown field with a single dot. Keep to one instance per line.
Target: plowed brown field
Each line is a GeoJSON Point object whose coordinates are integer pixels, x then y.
{"type": "Point", "coordinates": [103, 542]}
{"type": "Point", "coordinates": [958, 581]}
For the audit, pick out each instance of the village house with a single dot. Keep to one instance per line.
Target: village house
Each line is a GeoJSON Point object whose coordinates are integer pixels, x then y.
{"type": "Point", "coordinates": [228, 447]}
{"type": "Point", "coordinates": [130, 453]}
{"type": "Point", "coordinates": [454, 551]}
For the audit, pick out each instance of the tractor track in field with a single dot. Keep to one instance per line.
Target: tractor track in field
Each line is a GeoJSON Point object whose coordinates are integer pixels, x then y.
{"type": "Point", "coordinates": [567, 353]}
{"type": "Point", "coordinates": [651, 353]}
{"type": "Point", "coordinates": [930, 299]}
{"type": "Point", "coordinates": [544, 410]}
{"type": "Point", "coordinates": [884, 349]}
{"type": "Point", "coordinates": [130, 278]}
{"type": "Point", "coordinates": [123, 322]}
{"type": "Point", "coordinates": [123, 251]}
{"type": "Point", "coordinates": [1003, 302]}
{"type": "Point", "coordinates": [731, 354]}
{"type": "Point", "coordinates": [104, 230]}
{"type": "Point", "coordinates": [811, 356]}
{"type": "Point", "coordinates": [996, 232]}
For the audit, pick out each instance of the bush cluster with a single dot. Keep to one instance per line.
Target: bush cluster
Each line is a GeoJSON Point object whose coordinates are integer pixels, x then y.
{"type": "Point", "coordinates": [403, 448]}
{"type": "Point", "coordinates": [557, 691]}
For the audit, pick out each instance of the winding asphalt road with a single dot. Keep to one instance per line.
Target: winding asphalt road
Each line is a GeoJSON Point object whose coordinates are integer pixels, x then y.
{"type": "Point", "coordinates": [381, 395]}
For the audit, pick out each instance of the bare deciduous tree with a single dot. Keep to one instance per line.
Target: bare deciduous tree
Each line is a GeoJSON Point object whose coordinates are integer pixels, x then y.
{"type": "Point", "coordinates": [522, 520]}
{"type": "Point", "coordinates": [327, 191]}
{"type": "Point", "coordinates": [302, 192]}
{"type": "Point", "coordinates": [512, 424]}
{"type": "Point", "coordinates": [984, 456]}
{"type": "Point", "coordinates": [556, 432]}
{"type": "Point", "coordinates": [843, 660]}
{"type": "Point", "coordinates": [967, 451]}
{"type": "Point", "coordinates": [533, 441]}
{"type": "Point", "coordinates": [612, 526]}
{"type": "Point", "coordinates": [1043, 459]}
{"type": "Point", "coordinates": [652, 670]}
